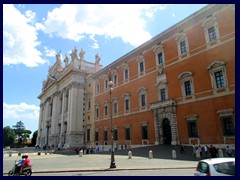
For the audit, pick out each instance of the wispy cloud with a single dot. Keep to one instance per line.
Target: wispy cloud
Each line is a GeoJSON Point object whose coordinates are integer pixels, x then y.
{"type": "Point", "coordinates": [126, 21]}
{"type": "Point", "coordinates": [20, 39]}
{"type": "Point", "coordinates": [20, 111]}
{"type": "Point", "coordinates": [49, 52]}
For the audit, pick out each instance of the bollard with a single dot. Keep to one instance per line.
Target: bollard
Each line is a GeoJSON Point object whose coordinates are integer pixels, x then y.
{"type": "Point", "coordinates": [198, 154]}
{"type": "Point", "coordinates": [129, 154]}
{"type": "Point", "coordinates": [10, 154]}
{"type": "Point", "coordinates": [39, 153]}
{"type": "Point", "coordinates": [19, 154]}
{"type": "Point", "coordinates": [150, 154]}
{"type": "Point", "coordinates": [81, 153]}
{"type": "Point", "coordinates": [174, 154]}
{"type": "Point", "coordinates": [220, 153]}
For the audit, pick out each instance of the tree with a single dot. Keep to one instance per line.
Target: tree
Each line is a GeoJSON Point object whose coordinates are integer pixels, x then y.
{"type": "Point", "coordinates": [21, 133]}
{"type": "Point", "coordinates": [8, 136]}
{"type": "Point", "coordinates": [34, 138]}
{"type": "Point", "coordinates": [19, 125]}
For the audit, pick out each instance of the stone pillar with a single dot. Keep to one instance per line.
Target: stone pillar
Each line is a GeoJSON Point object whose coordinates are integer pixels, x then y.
{"type": "Point", "coordinates": [174, 128]}
{"type": "Point", "coordinates": [38, 142]}
{"type": "Point", "coordinates": [54, 121]}
{"type": "Point", "coordinates": [46, 114]}
{"type": "Point", "coordinates": [62, 133]}
{"type": "Point", "coordinates": [156, 127]}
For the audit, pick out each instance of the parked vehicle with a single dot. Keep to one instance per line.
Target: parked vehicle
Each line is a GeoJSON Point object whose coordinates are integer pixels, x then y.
{"type": "Point", "coordinates": [15, 171]}
{"type": "Point", "coordinates": [216, 167]}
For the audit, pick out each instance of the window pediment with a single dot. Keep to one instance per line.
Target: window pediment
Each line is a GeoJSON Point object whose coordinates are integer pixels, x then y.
{"type": "Point", "coordinates": [185, 75]}
{"type": "Point", "coordinates": [141, 90]}
{"type": "Point", "coordinates": [126, 95]}
{"type": "Point", "coordinates": [216, 64]}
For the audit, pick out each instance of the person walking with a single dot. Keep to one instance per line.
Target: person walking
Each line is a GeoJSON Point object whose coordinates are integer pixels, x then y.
{"type": "Point", "coordinates": [229, 151]}
{"type": "Point", "coordinates": [206, 151]}
{"type": "Point", "coordinates": [194, 150]}
{"type": "Point", "coordinates": [200, 150]}
{"type": "Point", "coordinates": [182, 151]}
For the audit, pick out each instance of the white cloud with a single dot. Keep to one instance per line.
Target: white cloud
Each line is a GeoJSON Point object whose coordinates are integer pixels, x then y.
{"type": "Point", "coordinates": [49, 52]}
{"type": "Point", "coordinates": [173, 15]}
{"type": "Point", "coordinates": [20, 38]}
{"type": "Point", "coordinates": [126, 21]}
{"type": "Point", "coordinates": [20, 111]}
{"type": "Point", "coordinates": [30, 15]}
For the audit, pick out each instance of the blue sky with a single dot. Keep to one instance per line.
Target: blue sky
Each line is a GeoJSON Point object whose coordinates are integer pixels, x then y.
{"type": "Point", "coordinates": [33, 34]}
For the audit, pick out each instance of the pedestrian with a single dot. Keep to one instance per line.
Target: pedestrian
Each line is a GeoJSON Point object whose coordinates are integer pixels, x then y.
{"type": "Point", "coordinates": [206, 151]}
{"type": "Point", "coordinates": [200, 150]}
{"type": "Point", "coordinates": [194, 150]}
{"type": "Point", "coordinates": [229, 151]}
{"type": "Point", "coordinates": [182, 151]}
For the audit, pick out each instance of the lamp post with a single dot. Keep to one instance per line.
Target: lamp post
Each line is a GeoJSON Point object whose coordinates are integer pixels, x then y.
{"type": "Point", "coordinates": [112, 164]}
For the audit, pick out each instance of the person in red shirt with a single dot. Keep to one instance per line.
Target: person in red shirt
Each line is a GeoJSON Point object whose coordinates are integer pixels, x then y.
{"type": "Point", "coordinates": [26, 163]}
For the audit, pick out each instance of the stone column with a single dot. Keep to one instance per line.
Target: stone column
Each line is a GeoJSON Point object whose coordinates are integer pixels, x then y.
{"type": "Point", "coordinates": [174, 128]}
{"type": "Point", "coordinates": [62, 119]}
{"type": "Point", "coordinates": [156, 127]}
{"type": "Point", "coordinates": [38, 141]}
{"type": "Point", "coordinates": [54, 121]}
{"type": "Point", "coordinates": [46, 115]}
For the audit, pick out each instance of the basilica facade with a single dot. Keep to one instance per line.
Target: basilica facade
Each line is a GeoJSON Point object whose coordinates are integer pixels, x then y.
{"type": "Point", "coordinates": [178, 87]}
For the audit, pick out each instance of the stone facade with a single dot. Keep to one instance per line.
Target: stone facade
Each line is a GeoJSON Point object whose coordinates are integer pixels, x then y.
{"type": "Point", "coordinates": [61, 120]}
{"type": "Point", "coordinates": [179, 87]}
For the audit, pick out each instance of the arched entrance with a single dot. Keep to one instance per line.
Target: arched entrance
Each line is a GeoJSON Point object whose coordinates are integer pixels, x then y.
{"type": "Point", "coordinates": [167, 134]}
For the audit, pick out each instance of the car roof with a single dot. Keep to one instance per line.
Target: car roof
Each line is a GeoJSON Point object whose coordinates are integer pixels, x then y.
{"type": "Point", "coordinates": [217, 160]}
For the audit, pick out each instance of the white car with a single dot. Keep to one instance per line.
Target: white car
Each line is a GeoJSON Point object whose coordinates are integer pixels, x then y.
{"type": "Point", "coordinates": [216, 167]}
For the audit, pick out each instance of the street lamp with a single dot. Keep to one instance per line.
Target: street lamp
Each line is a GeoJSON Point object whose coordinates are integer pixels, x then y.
{"type": "Point", "coordinates": [110, 84]}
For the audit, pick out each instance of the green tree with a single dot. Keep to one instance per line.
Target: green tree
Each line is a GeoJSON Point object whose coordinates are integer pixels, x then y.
{"type": "Point", "coordinates": [8, 136]}
{"type": "Point", "coordinates": [34, 138]}
{"type": "Point", "coordinates": [21, 132]}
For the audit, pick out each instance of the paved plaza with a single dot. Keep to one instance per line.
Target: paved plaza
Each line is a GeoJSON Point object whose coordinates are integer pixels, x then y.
{"type": "Point", "coordinates": [70, 161]}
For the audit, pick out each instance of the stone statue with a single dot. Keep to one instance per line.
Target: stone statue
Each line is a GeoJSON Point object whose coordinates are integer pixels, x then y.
{"type": "Point", "coordinates": [81, 54]}
{"type": "Point", "coordinates": [74, 54]}
{"type": "Point", "coordinates": [66, 60]}
{"type": "Point", "coordinates": [59, 61]}
{"type": "Point", "coordinates": [161, 71]}
{"type": "Point", "coordinates": [97, 57]}
{"type": "Point", "coordinates": [58, 57]}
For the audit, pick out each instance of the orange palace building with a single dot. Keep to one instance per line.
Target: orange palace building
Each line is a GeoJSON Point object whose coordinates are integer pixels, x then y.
{"type": "Point", "coordinates": [178, 87]}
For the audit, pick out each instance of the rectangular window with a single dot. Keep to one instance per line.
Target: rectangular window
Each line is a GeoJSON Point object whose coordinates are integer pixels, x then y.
{"type": "Point", "coordinates": [106, 111]}
{"type": "Point", "coordinates": [96, 136]}
{"type": "Point", "coordinates": [141, 67]}
{"type": "Point", "coordinates": [106, 84]}
{"type": "Point", "coordinates": [115, 79]}
{"type": "Point", "coordinates": [127, 105]}
{"type": "Point", "coordinates": [88, 134]}
{"type": "Point", "coordinates": [97, 113]}
{"type": "Point", "coordinates": [98, 89]}
{"type": "Point", "coordinates": [115, 107]}
{"type": "Point", "coordinates": [89, 103]}
{"type": "Point", "coordinates": [127, 133]}
{"type": "Point", "coordinates": [163, 94]}
{"type": "Point", "coordinates": [105, 135]}
{"type": "Point", "coordinates": [219, 79]}
{"type": "Point", "coordinates": [126, 74]}
{"type": "Point", "coordinates": [187, 86]}
{"type": "Point", "coordinates": [144, 132]}
{"type": "Point", "coordinates": [212, 34]}
{"type": "Point", "coordinates": [183, 47]}
{"type": "Point", "coordinates": [143, 100]}
{"type": "Point", "coordinates": [115, 134]}
{"type": "Point", "coordinates": [192, 128]}
{"type": "Point", "coordinates": [160, 58]}
{"type": "Point", "coordinates": [228, 126]}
